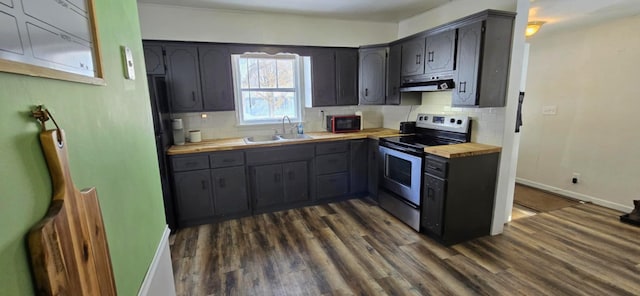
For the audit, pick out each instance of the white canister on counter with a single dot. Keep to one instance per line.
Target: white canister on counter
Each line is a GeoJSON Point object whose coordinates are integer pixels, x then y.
{"type": "Point", "coordinates": [178, 131]}
{"type": "Point", "coordinates": [359, 113]}
{"type": "Point", "coordinates": [195, 136]}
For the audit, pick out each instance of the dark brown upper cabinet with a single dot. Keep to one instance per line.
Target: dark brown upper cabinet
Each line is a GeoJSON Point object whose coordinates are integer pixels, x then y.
{"type": "Point", "coordinates": [394, 64]}
{"type": "Point", "coordinates": [199, 77]}
{"type": "Point", "coordinates": [347, 76]}
{"type": "Point", "coordinates": [413, 57]}
{"type": "Point", "coordinates": [484, 54]}
{"type": "Point", "coordinates": [183, 77]}
{"type": "Point", "coordinates": [153, 59]}
{"type": "Point", "coordinates": [216, 78]}
{"type": "Point", "coordinates": [323, 73]}
{"type": "Point", "coordinates": [440, 53]}
{"type": "Point", "coordinates": [334, 74]}
{"type": "Point", "coordinates": [373, 65]}
{"type": "Point", "coordinates": [429, 55]}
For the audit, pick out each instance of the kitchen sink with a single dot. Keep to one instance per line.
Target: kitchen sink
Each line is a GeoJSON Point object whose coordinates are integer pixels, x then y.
{"type": "Point", "coordinates": [261, 139]}
{"type": "Point", "coordinates": [274, 138]}
{"type": "Point", "coordinates": [294, 136]}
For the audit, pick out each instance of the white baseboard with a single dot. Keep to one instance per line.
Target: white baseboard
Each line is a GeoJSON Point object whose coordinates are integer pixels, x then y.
{"type": "Point", "coordinates": [159, 278]}
{"type": "Point", "coordinates": [575, 195]}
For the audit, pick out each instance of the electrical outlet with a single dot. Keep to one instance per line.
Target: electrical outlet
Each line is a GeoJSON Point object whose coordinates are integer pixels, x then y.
{"type": "Point", "coordinates": [549, 110]}
{"type": "Point", "coordinates": [575, 178]}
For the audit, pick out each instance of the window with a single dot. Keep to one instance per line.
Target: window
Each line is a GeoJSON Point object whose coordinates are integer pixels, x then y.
{"type": "Point", "coordinates": [267, 87]}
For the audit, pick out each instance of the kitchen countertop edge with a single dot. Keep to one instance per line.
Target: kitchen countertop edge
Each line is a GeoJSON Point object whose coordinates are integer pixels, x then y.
{"type": "Point", "coordinates": [238, 143]}
{"type": "Point", "coordinates": [462, 150]}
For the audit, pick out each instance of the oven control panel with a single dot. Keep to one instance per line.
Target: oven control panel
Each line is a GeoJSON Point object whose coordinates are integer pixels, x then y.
{"type": "Point", "coordinates": [453, 123]}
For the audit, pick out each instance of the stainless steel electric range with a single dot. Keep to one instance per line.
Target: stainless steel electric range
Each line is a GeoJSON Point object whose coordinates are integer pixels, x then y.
{"type": "Point", "coordinates": [402, 163]}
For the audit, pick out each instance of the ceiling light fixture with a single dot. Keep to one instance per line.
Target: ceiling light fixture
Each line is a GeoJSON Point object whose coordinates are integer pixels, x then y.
{"type": "Point", "coordinates": [533, 27]}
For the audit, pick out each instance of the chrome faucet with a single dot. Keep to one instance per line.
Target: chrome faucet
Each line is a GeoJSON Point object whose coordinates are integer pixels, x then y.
{"type": "Point", "coordinates": [283, 117]}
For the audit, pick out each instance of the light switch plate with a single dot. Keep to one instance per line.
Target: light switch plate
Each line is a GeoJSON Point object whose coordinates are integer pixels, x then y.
{"type": "Point", "coordinates": [127, 59]}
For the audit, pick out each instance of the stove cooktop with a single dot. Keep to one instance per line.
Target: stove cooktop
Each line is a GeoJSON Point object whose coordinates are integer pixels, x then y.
{"type": "Point", "coordinates": [419, 141]}
{"type": "Point", "coordinates": [432, 130]}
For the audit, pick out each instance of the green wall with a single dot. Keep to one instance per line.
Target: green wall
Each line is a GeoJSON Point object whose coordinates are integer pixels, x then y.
{"type": "Point", "coordinates": [111, 146]}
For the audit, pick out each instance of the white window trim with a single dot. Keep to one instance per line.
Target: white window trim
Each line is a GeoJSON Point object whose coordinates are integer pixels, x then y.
{"type": "Point", "coordinates": [301, 90]}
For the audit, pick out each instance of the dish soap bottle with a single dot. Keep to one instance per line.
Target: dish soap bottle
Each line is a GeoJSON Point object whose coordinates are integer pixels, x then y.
{"type": "Point", "coordinates": [300, 130]}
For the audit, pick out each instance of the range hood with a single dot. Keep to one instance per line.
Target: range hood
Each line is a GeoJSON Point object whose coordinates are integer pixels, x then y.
{"type": "Point", "coordinates": [423, 83]}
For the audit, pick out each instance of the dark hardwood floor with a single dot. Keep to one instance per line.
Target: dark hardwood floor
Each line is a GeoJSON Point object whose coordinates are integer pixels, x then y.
{"type": "Point", "coordinates": [354, 247]}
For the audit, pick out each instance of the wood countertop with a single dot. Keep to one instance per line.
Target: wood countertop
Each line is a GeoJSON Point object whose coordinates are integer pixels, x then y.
{"type": "Point", "coordinates": [462, 150]}
{"type": "Point", "coordinates": [239, 143]}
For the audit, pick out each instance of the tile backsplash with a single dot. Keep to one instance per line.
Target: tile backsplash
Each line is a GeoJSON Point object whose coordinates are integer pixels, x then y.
{"type": "Point", "coordinates": [487, 123]}
{"type": "Point", "coordinates": [218, 125]}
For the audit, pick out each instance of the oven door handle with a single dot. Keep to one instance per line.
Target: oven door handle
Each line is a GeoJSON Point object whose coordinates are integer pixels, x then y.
{"type": "Point", "coordinates": [398, 148]}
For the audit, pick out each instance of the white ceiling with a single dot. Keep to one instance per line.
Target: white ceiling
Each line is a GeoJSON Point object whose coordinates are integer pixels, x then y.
{"type": "Point", "coordinates": [561, 14]}
{"type": "Point", "coordinates": [369, 10]}
{"type": "Point", "coordinates": [557, 13]}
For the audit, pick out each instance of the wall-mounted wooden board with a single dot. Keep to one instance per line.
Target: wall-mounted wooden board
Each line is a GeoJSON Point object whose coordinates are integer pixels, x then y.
{"type": "Point", "coordinates": [50, 38]}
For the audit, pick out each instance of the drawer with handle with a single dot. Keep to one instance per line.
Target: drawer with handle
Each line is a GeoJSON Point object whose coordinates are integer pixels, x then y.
{"type": "Point", "coordinates": [332, 163]}
{"type": "Point", "coordinates": [333, 185]}
{"type": "Point", "coordinates": [190, 163]}
{"type": "Point", "coordinates": [226, 159]}
{"type": "Point", "coordinates": [334, 147]}
{"type": "Point", "coordinates": [435, 166]}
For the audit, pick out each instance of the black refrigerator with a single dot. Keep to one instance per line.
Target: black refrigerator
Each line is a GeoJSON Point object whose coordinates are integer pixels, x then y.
{"type": "Point", "coordinates": [163, 134]}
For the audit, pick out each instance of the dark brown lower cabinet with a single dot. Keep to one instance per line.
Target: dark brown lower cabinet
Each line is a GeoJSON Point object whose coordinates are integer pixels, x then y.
{"type": "Point", "coordinates": [215, 186]}
{"type": "Point", "coordinates": [373, 168]}
{"type": "Point", "coordinates": [278, 184]}
{"type": "Point", "coordinates": [458, 197]}
{"type": "Point", "coordinates": [358, 175]}
{"type": "Point", "coordinates": [193, 194]}
{"type": "Point", "coordinates": [209, 187]}
{"type": "Point", "coordinates": [229, 191]}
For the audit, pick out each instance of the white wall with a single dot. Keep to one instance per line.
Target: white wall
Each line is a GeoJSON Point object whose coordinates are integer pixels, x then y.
{"type": "Point", "coordinates": [451, 11]}
{"type": "Point", "coordinates": [591, 75]}
{"type": "Point", "coordinates": [196, 24]}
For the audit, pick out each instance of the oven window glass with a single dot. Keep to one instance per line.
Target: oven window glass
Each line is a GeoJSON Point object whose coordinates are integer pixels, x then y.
{"type": "Point", "coordinates": [399, 170]}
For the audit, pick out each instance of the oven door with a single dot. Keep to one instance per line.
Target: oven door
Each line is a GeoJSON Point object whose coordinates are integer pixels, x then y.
{"type": "Point", "coordinates": [401, 173]}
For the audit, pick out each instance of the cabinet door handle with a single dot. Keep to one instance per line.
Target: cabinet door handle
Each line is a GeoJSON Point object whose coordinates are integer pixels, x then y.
{"type": "Point", "coordinates": [463, 87]}
{"type": "Point", "coordinates": [366, 92]}
{"type": "Point", "coordinates": [222, 183]}
{"type": "Point", "coordinates": [430, 193]}
{"type": "Point", "coordinates": [431, 56]}
{"type": "Point", "coordinates": [418, 59]}
{"type": "Point", "coordinates": [204, 185]}
{"type": "Point", "coordinates": [433, 168]}
{"type": "Point", "coordinates": [193, 96]}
